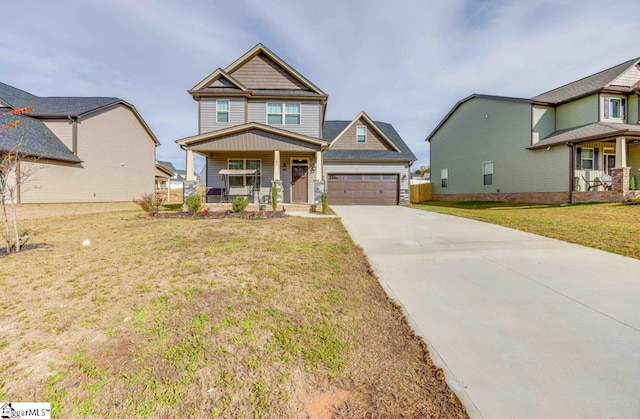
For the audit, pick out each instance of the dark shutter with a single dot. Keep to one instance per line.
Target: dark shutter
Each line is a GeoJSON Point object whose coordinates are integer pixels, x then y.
{"type": "Point", "coordinates": [595, 159]}
{"type": "Point", "coordinates": [579, 158]}
{"type": "Point", "coordinates": [622, 103]}
{"type": "Point", "coordinates": [606, 107]}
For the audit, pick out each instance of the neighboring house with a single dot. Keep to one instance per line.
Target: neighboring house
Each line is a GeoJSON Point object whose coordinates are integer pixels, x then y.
{"type": "Point", "coordinates": [262, 123]}
{"type": "Point", "coordinates": [176, 180]}
{"type": "Point", "coordinates": [577, 143]}
{"type": "Point", "coordinates": [78, 149]}
{"type": "Point", "coordinates": [163, 174]}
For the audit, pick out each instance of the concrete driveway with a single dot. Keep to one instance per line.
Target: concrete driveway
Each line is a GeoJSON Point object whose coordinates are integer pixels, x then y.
{"type": "Point", "coordinates": [524, 326]}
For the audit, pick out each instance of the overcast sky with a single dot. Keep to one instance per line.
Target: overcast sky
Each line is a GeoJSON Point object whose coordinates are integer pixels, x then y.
{"type": "Point", "coordinates": [403, 62]}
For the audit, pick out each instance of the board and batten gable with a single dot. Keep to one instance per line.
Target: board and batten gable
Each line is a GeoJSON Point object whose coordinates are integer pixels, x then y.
{"type": "Point", "coordinates": [486, 129]}
{"type": "Point", "coordinates": [118, 163]}
{"type": "Point", "coordinates": [578, 112]}
{"type": "Point", "coordinates": [208, 118]}
{"type": "Point", "coordinates": [310, 116]}
{"type": "Point", "coordinates": [543, 122]}
{"type": "Point", "coordinates": [348, 140]}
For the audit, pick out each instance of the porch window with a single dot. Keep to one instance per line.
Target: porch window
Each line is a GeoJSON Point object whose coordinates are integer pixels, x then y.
{"type": "Point", "coordinates": [444, 177]}
{"type": "Point", "coordinates": [487, 173]}
{"type": "Point", "coordinates": [283, 113]}
{"type": "Point", "coordinates": [222, 110]}
{"type": "Point", "coordinates": [587, 158]}
{"type": "Point", "coordinates": [240, 181]}
{"type": "Point", "coordinates": [361, 134]}
{"type": "Point", "coordinates": [614, 108]}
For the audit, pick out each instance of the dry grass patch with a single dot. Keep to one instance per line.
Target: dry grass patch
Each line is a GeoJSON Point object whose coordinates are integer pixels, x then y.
{"type": "Point", "coordinates": [210, 318]}
{"type": "Point", "coordinates": [611, 227]}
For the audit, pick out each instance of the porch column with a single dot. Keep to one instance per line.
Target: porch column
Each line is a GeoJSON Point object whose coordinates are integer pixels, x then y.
{"type": "Point", "coordinates": [621, 152]}
{"type": "Point", "coordinates": [276, 165]}
{"type": "Point", "coordinates": [190, 175]}
{"type": "Point", "coordinates": [319, 166]}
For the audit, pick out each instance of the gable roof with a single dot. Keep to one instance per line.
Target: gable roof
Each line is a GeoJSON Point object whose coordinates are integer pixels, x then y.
{"type": "Point", "coordinates": [468, 98]}
{"type": "Point", "coordinates": [585, 86]}
{"type": "Point", "coordinates": [32, 138]}
{"type": "Point", "coordinates": [332, 129]}
{"type": "Point", "coordinates": [589, 132]}
{"type": "Point", "coordinates": [205, 85]}
{"type": "Point", "coordinates": [167, 166]}
{"type": "Point", "coordinates": [365, 117]}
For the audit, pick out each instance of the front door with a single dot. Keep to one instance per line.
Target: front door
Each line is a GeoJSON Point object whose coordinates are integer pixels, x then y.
{"type": "Point", "coordinates": [299, 182]}
{"type": "Point", "coordinates": [609, 163]}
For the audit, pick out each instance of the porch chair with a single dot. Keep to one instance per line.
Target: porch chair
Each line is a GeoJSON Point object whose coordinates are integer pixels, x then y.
{"type": "Point", "coordinates": [593, 184]}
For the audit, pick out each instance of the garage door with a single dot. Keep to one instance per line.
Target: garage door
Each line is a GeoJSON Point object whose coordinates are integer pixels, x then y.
{"type": "Point", "coordinates": [366, 189]}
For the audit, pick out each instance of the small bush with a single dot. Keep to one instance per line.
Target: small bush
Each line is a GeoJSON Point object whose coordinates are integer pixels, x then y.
{"type": "Point", "coordinates": [274, 197]}
{"type": "Point", "coordinates": [150, 202]}
{"type": "Point", "coordinates": [193, 203]}
{"type": "Point", "coordinates": [325, 202]}
{"type": "Point", "coordinates": [632, 183]}
{"type": "Point", "coordinates": [239, 204]}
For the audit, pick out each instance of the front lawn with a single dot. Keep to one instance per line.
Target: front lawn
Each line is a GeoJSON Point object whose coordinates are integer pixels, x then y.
{"type": "Point", "coordinates": [207, 318]}
{"type": "Point", "coordinates": [611, 227]}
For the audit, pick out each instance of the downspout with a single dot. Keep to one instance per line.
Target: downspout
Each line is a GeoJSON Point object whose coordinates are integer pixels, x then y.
{"type": "Point", "coordinates": [571, 171]}
{"type": "Point", "coordinates": [74, 134]}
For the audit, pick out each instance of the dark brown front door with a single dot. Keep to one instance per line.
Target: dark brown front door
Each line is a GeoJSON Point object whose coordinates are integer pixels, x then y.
{"type": "Point", "coordinates": [299, 183]}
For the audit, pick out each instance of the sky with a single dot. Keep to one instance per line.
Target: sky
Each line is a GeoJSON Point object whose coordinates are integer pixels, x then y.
{"type": "Point", "coordinates": [405, 62]}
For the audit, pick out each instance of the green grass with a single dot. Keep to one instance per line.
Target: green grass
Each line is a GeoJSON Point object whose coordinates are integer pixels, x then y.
{"type": "Point", "coordinates": [613, 227]}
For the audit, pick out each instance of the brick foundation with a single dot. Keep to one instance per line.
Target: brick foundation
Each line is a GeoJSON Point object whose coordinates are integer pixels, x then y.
{"type": "Point", "coordinates": [596, 196]}
{"type": "Point", "coordinates": [517, 197]}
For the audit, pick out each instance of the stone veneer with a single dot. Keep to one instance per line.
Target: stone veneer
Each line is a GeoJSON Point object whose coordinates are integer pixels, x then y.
{"type": "Point", "coordinates": [318, 188]}
{"type": "Point", "coordinates": [404, 196]}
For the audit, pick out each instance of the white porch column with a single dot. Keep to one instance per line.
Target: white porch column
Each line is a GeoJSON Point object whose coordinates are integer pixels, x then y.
{"type": "Point", "coordinates": [621, 152]}
{"type": "Point", "coordinates": [276, 165]}
{"type": "Point", "coordinates": [319, 166]}
{"type": "Point", "coordinates": [190, 176]}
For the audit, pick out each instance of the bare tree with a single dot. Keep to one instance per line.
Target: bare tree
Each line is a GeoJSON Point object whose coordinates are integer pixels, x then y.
{"type": "Point", "coordinates": [11, 152]}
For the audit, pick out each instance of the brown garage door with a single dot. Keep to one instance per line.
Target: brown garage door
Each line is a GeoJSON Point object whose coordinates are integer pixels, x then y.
{"type": "Point", "coordinates": [367, 189]}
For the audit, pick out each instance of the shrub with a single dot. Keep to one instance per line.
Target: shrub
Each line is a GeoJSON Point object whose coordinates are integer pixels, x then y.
{"type": "Point", "coordinates": [325, 202]}
{"type": "Point", "coordinates": [150, 202]}
{"type": "Point", "coordinates": [193, 203]}
{"type": "Point", "coordinates": [274, 197]}
{"type": "Point", "coordinates": [239, 204]}
{"type": "Point", "coordinates": [632, 183]}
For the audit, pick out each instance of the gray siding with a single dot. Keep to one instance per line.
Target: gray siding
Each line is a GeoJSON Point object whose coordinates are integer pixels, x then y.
{"type": "Point", "coordinates": [374, 168]}
{"type": "Point", "coordinates": [579, 112]}
{"type": "Point", "coordinates": [309, 117]}
{"type": "Point", "coordinates": [484, 129]}
{"type": "Point", "coordinates": [543, 123]}
{"type": "Point", "coordinates": [219, 161]}
{"type": "Point", "coordinates": [632, 113]}
{"type": "Point", "coordinates": [207, 109]}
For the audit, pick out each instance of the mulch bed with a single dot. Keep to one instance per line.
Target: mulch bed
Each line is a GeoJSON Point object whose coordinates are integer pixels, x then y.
{"type": "Point", "coordinates": [246, 215]}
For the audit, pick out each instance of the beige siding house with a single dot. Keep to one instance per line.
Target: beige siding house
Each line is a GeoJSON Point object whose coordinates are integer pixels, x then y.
{"type": "Point", "coordinates": [82, 149]}
{"type": "Point", "coordinates": [262, 125]}
{"type": "Point", "coordinates": [577, 143]}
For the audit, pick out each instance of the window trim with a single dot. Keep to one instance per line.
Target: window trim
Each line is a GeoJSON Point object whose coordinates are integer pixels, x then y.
{"type": "Point", "coordinates": [284, 113]}
{"type": "Point", "coordinates": [364, 135]}
{"type": "Point", "coordinates": [444, 177]}
{"type": "Point", "coordinates": [244, 177]}
{"type": "Point", "coordinates": [228, 111]}
{"type": "Point", "coordinates": [484, 174]}
{"type": "Point", "coordinates": [608, 108]}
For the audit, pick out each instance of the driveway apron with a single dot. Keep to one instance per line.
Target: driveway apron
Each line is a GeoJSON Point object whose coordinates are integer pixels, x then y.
{"type": "Point", "coordinates": [524, 326]}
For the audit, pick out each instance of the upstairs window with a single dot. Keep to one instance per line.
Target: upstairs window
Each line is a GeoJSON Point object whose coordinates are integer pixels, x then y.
{"type": "Point", "coordinates": [283, 113]}
{"type": "Point", "coordinates": [444, 177]}
{"type": "Point", "coordinates": [487, 173]}
{"type": "Point", "coordinates": [614, 108]}
{"type": "Point", "coordinates": [222, 110]}
{"type": "Point", "coordinates": [361, 134]}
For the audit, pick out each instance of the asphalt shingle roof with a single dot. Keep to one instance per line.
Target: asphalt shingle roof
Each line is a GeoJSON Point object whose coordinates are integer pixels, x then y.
{"type": "Point", "coordinates": [585, 132]}
{"type": "Point", "coordinates": [586, 85]}
{"type": "Point", "coordinates": [33, 138]}
{"type": "Point", "coordinates": [331, 129]}
{"type": "Point", "coordinates": [53, 106]}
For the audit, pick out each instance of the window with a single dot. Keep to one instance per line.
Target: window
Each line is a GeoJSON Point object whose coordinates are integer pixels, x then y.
{"type": "Point", "coordinates": [444, 177]}
{"type": "Point", "coordinates": [241, 180]}
{"type": "Point", "coordinates": [587, 158]}
{"type": "Point", "coordinates": [361, 134]}
{"type": "Point", "coordinates": [222, 110]}
{"type": "Point", "coordinates": [487, 173]}
{"type": "Point", "coordinates": [614, 108]}
{"type": "Point", "coordinates": [283, 113]}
